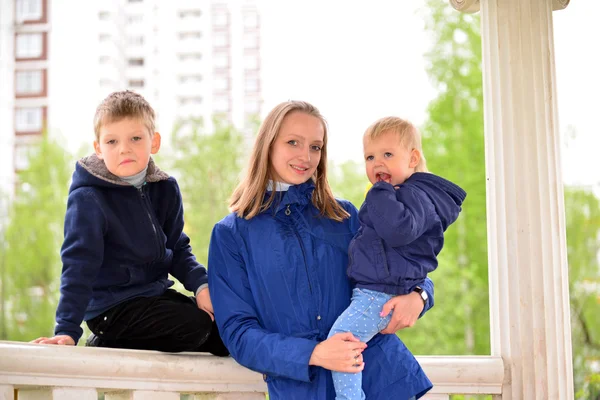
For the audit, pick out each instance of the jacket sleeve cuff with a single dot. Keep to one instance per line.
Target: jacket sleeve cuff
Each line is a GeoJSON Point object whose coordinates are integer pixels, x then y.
{"type": "Point", "coordinates": [200, 288]}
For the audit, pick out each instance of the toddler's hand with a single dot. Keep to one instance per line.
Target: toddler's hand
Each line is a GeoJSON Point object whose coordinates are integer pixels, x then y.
{"type": "Point", "coordinates": [204, 303]}
{"type": "Point", "coordinates": [60, 339]}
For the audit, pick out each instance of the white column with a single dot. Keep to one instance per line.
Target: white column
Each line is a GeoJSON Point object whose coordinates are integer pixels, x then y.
{"type": "Point", "coordinates": [528, 276]}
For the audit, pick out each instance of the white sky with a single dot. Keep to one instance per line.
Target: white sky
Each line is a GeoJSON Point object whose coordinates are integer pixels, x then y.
{"type": "Point", "coordinates": [358, 63]}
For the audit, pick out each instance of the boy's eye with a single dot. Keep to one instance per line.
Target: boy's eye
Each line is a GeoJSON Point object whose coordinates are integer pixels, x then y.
{"type": "Point", "coordinates": [388, 155]}
{"type": "Point", "coordinates": [293, 142]}
{"type": "Point", "coordinates": [136, 138]}
{"type": "Point", "coordinates": [369, 158]}
{"type": "Point", "coordinates": [316, 147]}
{"type": "Point", "coordinates": [112, 141]}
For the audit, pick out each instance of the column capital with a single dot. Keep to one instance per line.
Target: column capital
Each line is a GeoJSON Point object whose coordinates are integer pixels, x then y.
{"type": "Point", "coordinates": [472, 6]}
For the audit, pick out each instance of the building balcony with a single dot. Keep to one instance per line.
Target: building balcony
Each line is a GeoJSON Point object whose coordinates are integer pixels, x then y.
{"type": "Point", "coordinates": [30, 371]}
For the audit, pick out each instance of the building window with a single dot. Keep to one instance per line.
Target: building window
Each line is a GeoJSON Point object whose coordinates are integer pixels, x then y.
{"type": "Point", "coordinates": [104, 37]}
{"type": "Point", "coordinates": [135, 40]}
{"type": "Point", "coordinates": [135, 62]}
{"type": "Point", "coordinates": [28, 119]}
{"type": "Point", "coordinates": [190, 56]}
{"type": "Point", "coordinates": [251, 20]}
{"type": "Point", "coordinates": [183, 14]}
{"type": "Point", "coordinates": [190, 101]}
{"type": "Point", "coordinates": [29, 45]}
{"type": "Point", "coordinates": [251, 85]}
{"type": "Point", "coordinates": [134, 1]}
{"type": "Point", "coordinates": [221, 83]}
{"type": "Point", "coordinates": [136, 83]}
{"type": "Point", "coordinates": [190, 79]}
{"type": "Point", "coordinates": [104, 59]}
{"type": "Point", "coordinates": [135, 19]}
{"type": "Point", "coordinates": [29, 10]}
{"type": "Point", "coordinates": [252, 106]}
{"type": "Point", "coordinates": [189, 35]}
{"type": "Point", "coordinates": [103, 15]}
{"type": "Point", "coordinates": [221, 61]}
{"type": "Point", "coordinates": [220, 19]}
{"type": "Point", "coordinates": [251, 62]}
{"type": "Point", "coordinates": [221, 104]}
{"type": "Point", "coordinates": [29, 82]}
{"type": "Point", "coordinates": [251, 41]}
{"type": "Point", "coordinates": [221, 40]}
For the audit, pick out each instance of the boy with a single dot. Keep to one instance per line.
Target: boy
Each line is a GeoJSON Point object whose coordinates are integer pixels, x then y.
{"type": "Point", "coordinates": [123, 236]}
{"type": "Point", "coordinates": [402, 224]}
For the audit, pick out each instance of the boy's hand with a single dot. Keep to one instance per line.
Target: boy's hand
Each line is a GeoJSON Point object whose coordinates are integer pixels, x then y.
{"type": "Point", "coordinates": [60, 339]}
{"type": "Point", "coordinates": [204, 303]}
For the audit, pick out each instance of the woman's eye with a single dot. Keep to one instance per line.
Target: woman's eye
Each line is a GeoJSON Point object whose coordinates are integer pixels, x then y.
{"type": "Point", "coordinates": [316, 148]}
{"type": "Point", "coordinates": [293, 142]}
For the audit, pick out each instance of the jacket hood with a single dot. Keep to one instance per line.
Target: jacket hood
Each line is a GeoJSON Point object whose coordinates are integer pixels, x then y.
{"type": "Point", "coordinates": [446, 196]}
{"type": "Point", "coordinates": [91, 171]}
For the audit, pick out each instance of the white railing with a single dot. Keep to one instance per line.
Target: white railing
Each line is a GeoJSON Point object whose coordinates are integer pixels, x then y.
{"type": "Point", "coordinates": [38, 372]}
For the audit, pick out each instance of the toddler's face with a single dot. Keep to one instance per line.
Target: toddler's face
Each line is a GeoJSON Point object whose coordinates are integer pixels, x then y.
{"type": "Point", "coordinates": [125, 146]}
{"type": "Point", "coordinates": [387, 160]}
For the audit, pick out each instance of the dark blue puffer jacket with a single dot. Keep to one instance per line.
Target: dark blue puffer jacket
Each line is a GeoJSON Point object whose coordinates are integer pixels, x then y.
{"type": "Point", "coordinates": [120, 243]}
{"type": "Point", "coordinates": [402, 232]}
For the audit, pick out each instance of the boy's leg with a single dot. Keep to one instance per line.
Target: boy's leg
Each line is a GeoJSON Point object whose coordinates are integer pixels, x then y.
{"type": "Point", "coordinates": [171, 322]}
{"type": "Point", "coordinates": [361, 319]}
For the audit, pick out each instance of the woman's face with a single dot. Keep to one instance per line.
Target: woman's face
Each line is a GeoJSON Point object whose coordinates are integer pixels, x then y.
{"type": "Point", "coordinates": [296, 151]}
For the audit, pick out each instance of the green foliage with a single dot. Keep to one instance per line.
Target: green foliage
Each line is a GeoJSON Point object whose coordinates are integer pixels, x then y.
{"type": "Point", "coordinates": [31, 265]}
{"type": "Point", "coordinates": [453, 144]}
{"type": "Point", "coordinates": [583, 245]}
{"type": "Point", "coordinates": [348, 181]}
{"type": "Point", "coordinates": [206, 165]}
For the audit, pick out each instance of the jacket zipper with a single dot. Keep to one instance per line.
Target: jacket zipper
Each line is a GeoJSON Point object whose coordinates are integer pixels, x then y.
{"type": "Point", "coordinates": [288, 212]}
{"type": "Point", "coordinates": [143, 196]}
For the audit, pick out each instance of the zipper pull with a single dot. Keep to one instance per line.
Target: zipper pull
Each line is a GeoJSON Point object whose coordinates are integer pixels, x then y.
{"type": "Point", "coordinates": [141, 192]}
{"type": "Point", "coordinates": [287, 210]}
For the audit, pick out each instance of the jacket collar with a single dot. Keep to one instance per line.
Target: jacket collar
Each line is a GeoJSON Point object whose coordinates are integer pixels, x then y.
{"type": "Point", "coordinates": [96, 167]}
{"type": "Point", "coordinates": [295, 194]}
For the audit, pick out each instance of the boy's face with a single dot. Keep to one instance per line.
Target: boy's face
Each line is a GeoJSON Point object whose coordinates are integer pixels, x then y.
{"type": "Point", "coordinates": [125, 146]}
{"type": "Point", "coordinates": [296, 151]}
{"type": "Point", "coordinates": [387, 160]}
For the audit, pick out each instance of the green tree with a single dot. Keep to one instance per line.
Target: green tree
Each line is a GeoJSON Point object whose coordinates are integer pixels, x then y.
{"type": "Point", "coordinates": [453, 144]}
{"type": "Point", "coordinates": [583, 249]}
{"type": "Point", "coordinates": [33, 236]}
{"type": "Point", "coordinates": [207, 166]}
{"type": "Point", "coordinates": [348, 181]}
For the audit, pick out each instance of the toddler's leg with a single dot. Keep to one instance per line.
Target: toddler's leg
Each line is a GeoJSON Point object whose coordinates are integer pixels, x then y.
{"type": "Point", "coordinates": [361, 319]}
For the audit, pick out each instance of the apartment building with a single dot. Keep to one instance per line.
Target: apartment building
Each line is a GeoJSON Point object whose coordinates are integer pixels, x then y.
{"type": "Point", "coordinates": [190, 58]}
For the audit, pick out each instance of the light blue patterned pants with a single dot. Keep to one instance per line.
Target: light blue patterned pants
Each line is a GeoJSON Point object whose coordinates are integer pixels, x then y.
{"type": "Point", "coordinates": [362, 319]}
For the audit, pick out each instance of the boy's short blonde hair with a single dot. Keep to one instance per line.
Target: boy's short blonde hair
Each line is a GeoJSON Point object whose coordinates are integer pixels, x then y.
{"type": "Point", "coordinates": [408, 135]}
{"type": "Point", "coordinates": [124, 104]}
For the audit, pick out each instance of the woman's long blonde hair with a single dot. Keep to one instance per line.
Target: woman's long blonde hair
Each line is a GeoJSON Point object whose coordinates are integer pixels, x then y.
{"type": "Point", "coordinates": [247, 198]}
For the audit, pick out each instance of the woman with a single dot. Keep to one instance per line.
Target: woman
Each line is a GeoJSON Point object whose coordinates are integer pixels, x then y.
{"type": "Point", "coordinates": [277, 273]}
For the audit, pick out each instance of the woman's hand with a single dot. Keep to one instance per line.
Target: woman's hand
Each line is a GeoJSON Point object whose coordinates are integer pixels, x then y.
{"type": "Point", "coordinates": [204, 303]}
{"type": "Point", "coordinates": [342, 353]}
{"type": "Point", "coordinates": [60, 339]}
{"type": "Point", "coordinates": [407, 309]}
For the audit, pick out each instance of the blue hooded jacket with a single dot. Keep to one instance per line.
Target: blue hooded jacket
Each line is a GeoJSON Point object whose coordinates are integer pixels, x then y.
{"type": "Point", "coordinates": [278, 283]}
{"type": "Point", "coordinates": [120, 243]}
{"type": "Point", "coordinates": [402, 232]}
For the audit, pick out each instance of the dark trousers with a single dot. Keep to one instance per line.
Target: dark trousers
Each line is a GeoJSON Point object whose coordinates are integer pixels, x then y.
{"type": "Point", "coordinates": [171, 322]}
